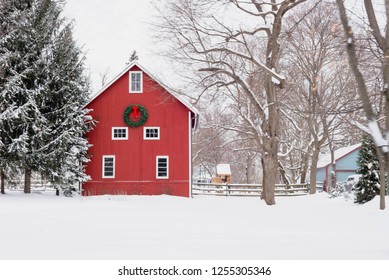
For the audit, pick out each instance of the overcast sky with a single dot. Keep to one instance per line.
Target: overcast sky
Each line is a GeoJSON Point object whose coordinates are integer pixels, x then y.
{"type": "Point", "coordinates": [109, 31]}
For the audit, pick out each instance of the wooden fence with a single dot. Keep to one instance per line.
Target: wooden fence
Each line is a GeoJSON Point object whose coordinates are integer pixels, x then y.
{"type": "Point", "coordinates": [247, 189]}
{"type": "Point", "coordinates": [202, 188]}
{"type": "Point", "coordinates": [36, 185]}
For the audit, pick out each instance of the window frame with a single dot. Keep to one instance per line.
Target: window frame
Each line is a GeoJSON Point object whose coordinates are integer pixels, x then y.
{"type": "Point", "coordinates": [151, 138]}
{"type": "Point", "coordinates": [113, 167]}
{"type": "Point", "coordinates": [119, 138]}
{"type": "Point", "coordinates": [167, 167]}
{"type": "Point", "coordinates": [130, 82]}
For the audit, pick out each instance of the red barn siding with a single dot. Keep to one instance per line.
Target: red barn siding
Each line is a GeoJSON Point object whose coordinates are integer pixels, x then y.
{"type": "Point", "coordinates": [135, 158]}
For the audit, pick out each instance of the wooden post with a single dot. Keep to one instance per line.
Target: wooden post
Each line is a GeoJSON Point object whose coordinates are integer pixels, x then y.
{"type": "Point", "coordinates": [2, 174]}
{"type": "Point", "coordinates": [27, 180]}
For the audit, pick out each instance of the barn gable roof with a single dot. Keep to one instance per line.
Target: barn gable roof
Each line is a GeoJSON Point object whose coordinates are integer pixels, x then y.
{"type": "Point", "coordinates": [135, 63]}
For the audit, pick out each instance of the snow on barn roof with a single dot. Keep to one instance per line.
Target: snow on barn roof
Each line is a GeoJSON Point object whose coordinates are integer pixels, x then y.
{"type": "Point", "coordinates": [325, 159]}
{"type": "Point", "coordinates": [223, 169]}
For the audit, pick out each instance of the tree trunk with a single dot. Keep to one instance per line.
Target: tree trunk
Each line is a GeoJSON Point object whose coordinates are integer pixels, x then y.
{"type": "Point", "coordinates": [2, 175]}
{"type": "Point", "coordinates": [270, 164]}
{"type": "Point", "coordinates": [353, 62]}
{"type": "Point", "coordinates": [312, 177]}
{"type": "Point", "coordinates": [333, 169]}
{"type": "Point", "coordinates": [270, 170]}
{"type": "Point", "coordinates": [304, 168]}
{"type": "Point", "coordinates": [283, 174]}
{"type": "Point", "coordinates": [384, 157]}
{"type": "Point", "coordinates": [381, 162]}
{"type": "Point", "coordinates": [27, 180]}
{"type": "Point", "coordinates": [249, 168]}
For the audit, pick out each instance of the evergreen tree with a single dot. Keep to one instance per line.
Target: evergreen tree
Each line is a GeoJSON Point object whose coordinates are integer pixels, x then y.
{"type": "Point", "coordinates": [368, 185]}
{"type": "Point", "coordinates": [64, 94]}
{"type": "Point", "coordinates": [16, 81]}
{"type": "Point", "coordinates": [5, 29]}
{"type": "Point", "coordinates": [42, 93]}
{"type": "Point", "coordinates": [134, 56]}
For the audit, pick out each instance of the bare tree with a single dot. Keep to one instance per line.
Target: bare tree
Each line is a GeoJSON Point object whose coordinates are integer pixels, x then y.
{"type": "Point", "coordinates": [382, 43]}
{"type": "Point", "coordinates": [209, 142]}
{"type": "Point", "coordinates": [233, 47]}
{"type": "Point", "coordinates": [104, 75]}
{"type": "Point", "coordinates": [320, 88]}
{"type": "Point", "coordinates": [214, 144]}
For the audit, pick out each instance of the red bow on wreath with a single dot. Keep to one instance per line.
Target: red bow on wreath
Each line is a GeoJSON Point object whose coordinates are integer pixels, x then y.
{"type": "Point", "coordinates": [135, 109]}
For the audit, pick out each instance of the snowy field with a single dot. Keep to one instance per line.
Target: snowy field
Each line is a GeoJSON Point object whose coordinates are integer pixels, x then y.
{"type": "Point", "coordinates": [43, 226]}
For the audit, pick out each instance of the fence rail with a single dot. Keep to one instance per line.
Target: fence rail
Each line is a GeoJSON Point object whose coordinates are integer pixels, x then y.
{"type": "Point", "coordinates": [247, 189]}
{"type": "Point", "coordinates": [36, 185]}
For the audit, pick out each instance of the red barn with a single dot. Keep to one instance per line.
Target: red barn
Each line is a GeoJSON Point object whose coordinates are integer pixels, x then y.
{"type": "Point", "coordinates": [142, 141]}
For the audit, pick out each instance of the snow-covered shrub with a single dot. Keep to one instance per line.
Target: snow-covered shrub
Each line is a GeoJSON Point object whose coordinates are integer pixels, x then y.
{"type": "Point", "coordinates": [338, 190]}
{"type": "Point", "coordinates": [69, 191]}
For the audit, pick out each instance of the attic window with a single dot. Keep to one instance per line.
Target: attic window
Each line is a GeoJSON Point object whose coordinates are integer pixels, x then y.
{"type": "Point", "coordinates": [136, 82]}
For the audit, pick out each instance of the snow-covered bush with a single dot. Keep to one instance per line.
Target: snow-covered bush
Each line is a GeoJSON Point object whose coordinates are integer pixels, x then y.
{"type": "Point", "coordinates": [338, 190]}
{"type": "Point", "coordinates": [69, 191]}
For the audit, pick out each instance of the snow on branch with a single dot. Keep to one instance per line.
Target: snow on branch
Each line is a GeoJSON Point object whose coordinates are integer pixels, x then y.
{"type": "Point", "coordinates": [377, 136]}
{"type": "Point", "coordinates": [277, 77]}
{"type": "Point", "coordinates": [290, 149]}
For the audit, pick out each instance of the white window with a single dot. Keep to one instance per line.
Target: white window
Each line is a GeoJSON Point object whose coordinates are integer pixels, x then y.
{"type": "Point", "coordinates": [151, 133]}
{"type": "Point", "coordinates": [136, 82]}
{"type": "Point", "coordinates": [108, 166]}
{"type": "Point", "coordinates": [162, 167]}
{"type": "Point", "coordinates": [119, 133]}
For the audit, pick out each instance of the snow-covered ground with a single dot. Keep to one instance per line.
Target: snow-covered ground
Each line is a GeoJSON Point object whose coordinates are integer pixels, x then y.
{"type": "Point", "coordinates": [43, 226]}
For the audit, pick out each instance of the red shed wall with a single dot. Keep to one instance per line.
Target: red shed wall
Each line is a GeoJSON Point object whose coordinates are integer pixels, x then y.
{"type": "Point", "coordinates": [135, 158]}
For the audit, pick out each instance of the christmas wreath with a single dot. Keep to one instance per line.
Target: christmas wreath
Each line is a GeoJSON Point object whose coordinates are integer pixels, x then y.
{"type": "Point", "coordinates": [135, 115]}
